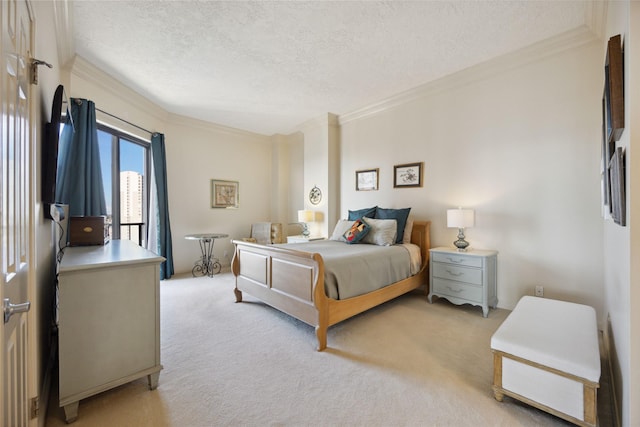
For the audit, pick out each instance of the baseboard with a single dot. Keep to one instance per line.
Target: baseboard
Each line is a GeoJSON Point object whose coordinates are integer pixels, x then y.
{"type": "Point", "coordinates": [45, 393]}
{"type": "Point", "coordinates": [606, 338]}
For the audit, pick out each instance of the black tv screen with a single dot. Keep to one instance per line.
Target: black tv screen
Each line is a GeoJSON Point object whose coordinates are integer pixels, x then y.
{"type": "Point", "coordinates": [53, 129]}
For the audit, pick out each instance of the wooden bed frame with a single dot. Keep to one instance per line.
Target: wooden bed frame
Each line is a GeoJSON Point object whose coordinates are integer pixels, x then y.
{"type": "Point", "coordinates": [293, 282]}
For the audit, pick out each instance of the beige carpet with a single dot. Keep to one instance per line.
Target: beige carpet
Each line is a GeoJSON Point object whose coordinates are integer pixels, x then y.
{"type": "Point", "coordinates": [405, 363]}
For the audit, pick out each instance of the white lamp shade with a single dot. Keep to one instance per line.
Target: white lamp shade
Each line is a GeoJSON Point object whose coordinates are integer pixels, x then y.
{"type": "Point", "coordinates": [305, 216]}
{"type": "Point", "coordinates": [460, 218]}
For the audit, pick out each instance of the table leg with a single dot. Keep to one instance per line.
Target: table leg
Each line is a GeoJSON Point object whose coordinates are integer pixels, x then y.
{"type": "Point", "coordinates": [207, 264]}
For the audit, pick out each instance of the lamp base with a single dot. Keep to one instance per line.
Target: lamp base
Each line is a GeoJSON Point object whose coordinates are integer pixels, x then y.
{"type": "Point", "coordinates": [305, 230]}
{"type": "Point", "coordinates": [461, 244]}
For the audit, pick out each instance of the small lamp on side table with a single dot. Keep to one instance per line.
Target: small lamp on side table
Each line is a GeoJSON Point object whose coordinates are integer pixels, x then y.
{"type": "Point", "coordinates": [303, 218]}
{"type": "Point", "coordinates": [460, 219]}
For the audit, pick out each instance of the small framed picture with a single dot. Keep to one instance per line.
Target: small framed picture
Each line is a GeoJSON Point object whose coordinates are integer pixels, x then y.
{"type": "Point", "coordinates": [224, 194]}
{"type": "Point", "coordinates": [407, 175]}
{"type": "Point", "coordinates": [367, 180]}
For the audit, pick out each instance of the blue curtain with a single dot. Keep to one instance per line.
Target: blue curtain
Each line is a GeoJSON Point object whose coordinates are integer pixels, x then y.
{"type": "Point", "coordinates": [163, 245]}
{"type": "Point", "coordinates": [79, 178]}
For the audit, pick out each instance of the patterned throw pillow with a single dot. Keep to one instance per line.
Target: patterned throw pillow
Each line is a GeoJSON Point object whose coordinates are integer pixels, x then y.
{"type": "Point", "coordinates": [358, 230]}
{"type": "Point", "coordinates": [341, 227]}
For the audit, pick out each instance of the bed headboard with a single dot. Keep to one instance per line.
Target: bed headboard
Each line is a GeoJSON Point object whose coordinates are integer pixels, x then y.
{"type": "Point", "coordinates": [421, 236]}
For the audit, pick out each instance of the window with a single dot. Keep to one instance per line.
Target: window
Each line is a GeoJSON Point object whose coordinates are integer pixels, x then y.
{"type": "Point", "coordinates": [125, 167]}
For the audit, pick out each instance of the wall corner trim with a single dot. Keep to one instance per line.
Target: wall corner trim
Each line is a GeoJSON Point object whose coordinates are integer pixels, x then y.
{"type": "Point", "coordinates": [549, 47]}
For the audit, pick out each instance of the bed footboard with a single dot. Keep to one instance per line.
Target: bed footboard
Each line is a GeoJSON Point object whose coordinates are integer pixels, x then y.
{"type": "Point", "coordinates": [291, 281]}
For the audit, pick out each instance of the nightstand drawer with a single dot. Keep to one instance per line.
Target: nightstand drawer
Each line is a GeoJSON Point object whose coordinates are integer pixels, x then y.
{"type": "Point", "coordinates": [460, 274]}
{"type": "Point", "coordinates": [452, 258]}
{"type": "Point", "coordinates": [457, 289]}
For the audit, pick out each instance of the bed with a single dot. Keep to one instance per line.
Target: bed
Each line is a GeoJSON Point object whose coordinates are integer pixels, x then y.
{"type": "Point", "coordinates": [291, 278]}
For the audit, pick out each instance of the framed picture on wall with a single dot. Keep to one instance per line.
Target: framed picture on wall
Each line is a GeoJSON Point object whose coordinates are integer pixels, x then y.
{"type": "Point", "coordinates": [367, 180]}
{"type": "Point", "coordinates": [224, 194]}
{"type": "Point", "coordinates": [407, 175]}
{"type": "Point", "coordinates": [606, 156]}
{"type": "Point", "coordinates": [614, 89]}
{"type": "Point", "coordinates": [618, 197]}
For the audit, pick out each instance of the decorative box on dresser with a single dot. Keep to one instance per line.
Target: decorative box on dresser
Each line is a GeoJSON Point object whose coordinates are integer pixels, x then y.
{"type": "Point", "coordinates": [109, 320]}
{"type": "Point", "coordinates": [464, 277]}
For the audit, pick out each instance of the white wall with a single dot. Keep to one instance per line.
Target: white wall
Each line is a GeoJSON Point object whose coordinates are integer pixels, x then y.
{"type": "Point", "coordinates": [519, 144]}
{"type": "Point", "coordinates": [198, 152]}
{"type": "Point", "coordinates": [621, 244]}
{"type": "Point", "coordinates": [632, 54]}
{"type": "Point", "coordinates": [321, 168]}
{"type": "Point", "coordinates": [42, 301]}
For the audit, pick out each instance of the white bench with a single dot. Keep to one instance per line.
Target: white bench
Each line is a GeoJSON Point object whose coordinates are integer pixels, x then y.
{"type": "Point", "coordinates": [546, 354]}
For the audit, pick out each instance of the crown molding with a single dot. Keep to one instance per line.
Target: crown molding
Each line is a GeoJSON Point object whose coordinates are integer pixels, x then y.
{"type": "Point", "coordinates": [85, 70]}
{"type": "Point", "coordinates": [538, 51]}
{"type": "Point", "coordinates": [190, 122]}
{"type": "Point", "coordinates": [326, 119]}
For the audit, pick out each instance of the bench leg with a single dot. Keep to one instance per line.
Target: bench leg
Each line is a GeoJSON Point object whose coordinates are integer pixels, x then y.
{"type": "Point", "coordinates": [590, 404]}
{"type": "Point", "coordinates": [497, 377]}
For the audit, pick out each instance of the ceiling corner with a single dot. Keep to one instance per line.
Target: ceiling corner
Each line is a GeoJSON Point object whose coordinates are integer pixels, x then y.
{"type": "Point", "coordinates": [63, 18]}
{"type": "Point", "coordinates": [596, 17]}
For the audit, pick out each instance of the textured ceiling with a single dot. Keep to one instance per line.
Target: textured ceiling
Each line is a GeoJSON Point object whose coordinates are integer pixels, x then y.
{"type": "Point", "coordinates": [267, 66]}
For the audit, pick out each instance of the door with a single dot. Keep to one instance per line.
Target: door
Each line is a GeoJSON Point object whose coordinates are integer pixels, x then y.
{"type": "Point", "coordinates": [16, 208]}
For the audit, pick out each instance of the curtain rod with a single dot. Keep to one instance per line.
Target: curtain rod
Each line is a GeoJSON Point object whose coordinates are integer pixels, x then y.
{"type": "Point", "coordinates": [125, 121]}
{"type": "Point", "coordinates": [122, 120]}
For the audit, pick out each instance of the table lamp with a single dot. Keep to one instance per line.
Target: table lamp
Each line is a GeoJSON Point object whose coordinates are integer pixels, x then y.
{"type": "Point", "coordinates": [460, 219]}
{"type": "Point", "coordinates": [303, 218]}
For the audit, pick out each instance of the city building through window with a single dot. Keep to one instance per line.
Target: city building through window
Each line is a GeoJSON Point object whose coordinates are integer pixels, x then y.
{"type": "Point", "coordinates": [125, 163]}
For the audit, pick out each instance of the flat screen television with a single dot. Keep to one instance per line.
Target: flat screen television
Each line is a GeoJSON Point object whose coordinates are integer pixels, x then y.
{"type": "Point", "coordinates": [59, 117]}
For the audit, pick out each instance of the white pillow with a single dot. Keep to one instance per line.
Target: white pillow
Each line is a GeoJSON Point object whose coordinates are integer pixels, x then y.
{"type": "Point", "coordinates": [383, 231]}
{"type": "Point", "coordinates": [406, 238]}
{"type": "Point", "coordinates": [341, 227]}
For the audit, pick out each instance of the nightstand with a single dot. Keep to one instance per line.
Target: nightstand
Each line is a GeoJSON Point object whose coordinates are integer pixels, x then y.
{"type": "Point", "coordinates": [302, 239]}
{"type": "Point", "coordinates": [464, 277]}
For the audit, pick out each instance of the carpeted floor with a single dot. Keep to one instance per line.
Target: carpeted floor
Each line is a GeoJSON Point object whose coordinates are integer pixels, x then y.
{"type": "Point", "coordinates": [405, 363]}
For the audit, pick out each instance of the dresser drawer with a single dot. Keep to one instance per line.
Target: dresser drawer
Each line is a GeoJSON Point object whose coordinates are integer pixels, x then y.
{"type": "Point", "coordinates": [457, 289]}
{"type": "Point", "coordinates": [471, 261]}
{"type": "Point", "coordinates": [455, 272]}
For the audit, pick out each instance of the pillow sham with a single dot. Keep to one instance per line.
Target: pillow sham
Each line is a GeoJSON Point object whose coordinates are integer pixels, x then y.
{"type": "Point", "coordinates": [368, 212]}
{"type": "Point", "coordinates": [341, 227]}
{"type": "Point", "coordinates": [357, 232]}
{"type": "Point", "coordinates": [407, 231]}
{"type": "Point", "coordinates": [400, 215]}
{"type": "Point", "coordinates": [382, 233]}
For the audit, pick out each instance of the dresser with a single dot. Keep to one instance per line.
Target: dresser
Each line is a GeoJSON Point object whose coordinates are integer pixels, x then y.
{"type": "Point", "coordinates": [464, 277]}
{"type": "Point", "coordinates": [108, 320]}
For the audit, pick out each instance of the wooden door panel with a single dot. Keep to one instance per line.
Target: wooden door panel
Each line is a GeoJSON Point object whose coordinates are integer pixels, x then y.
{"type": "Point", "coordinates": [16, 206]}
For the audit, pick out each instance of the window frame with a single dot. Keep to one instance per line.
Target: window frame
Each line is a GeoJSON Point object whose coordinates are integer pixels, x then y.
{"type": "Point", "coordinates": [116, 137]}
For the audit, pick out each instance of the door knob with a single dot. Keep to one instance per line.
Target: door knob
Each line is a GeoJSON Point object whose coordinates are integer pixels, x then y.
{"type": "Point", "coordinates": [9, 309]}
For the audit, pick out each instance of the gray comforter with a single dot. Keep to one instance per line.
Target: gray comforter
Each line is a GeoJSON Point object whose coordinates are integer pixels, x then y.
{"type": "Point", "coordinates": [352, 270]}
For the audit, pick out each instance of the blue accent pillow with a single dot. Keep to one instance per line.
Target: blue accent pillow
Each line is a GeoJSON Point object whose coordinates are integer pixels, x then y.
{"type": "Point", "coordinates": [368, 212]}
{"type": "Point", "coordinates": [358, 230]}
{"type": "Point", "coordinates": [400, 215]}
